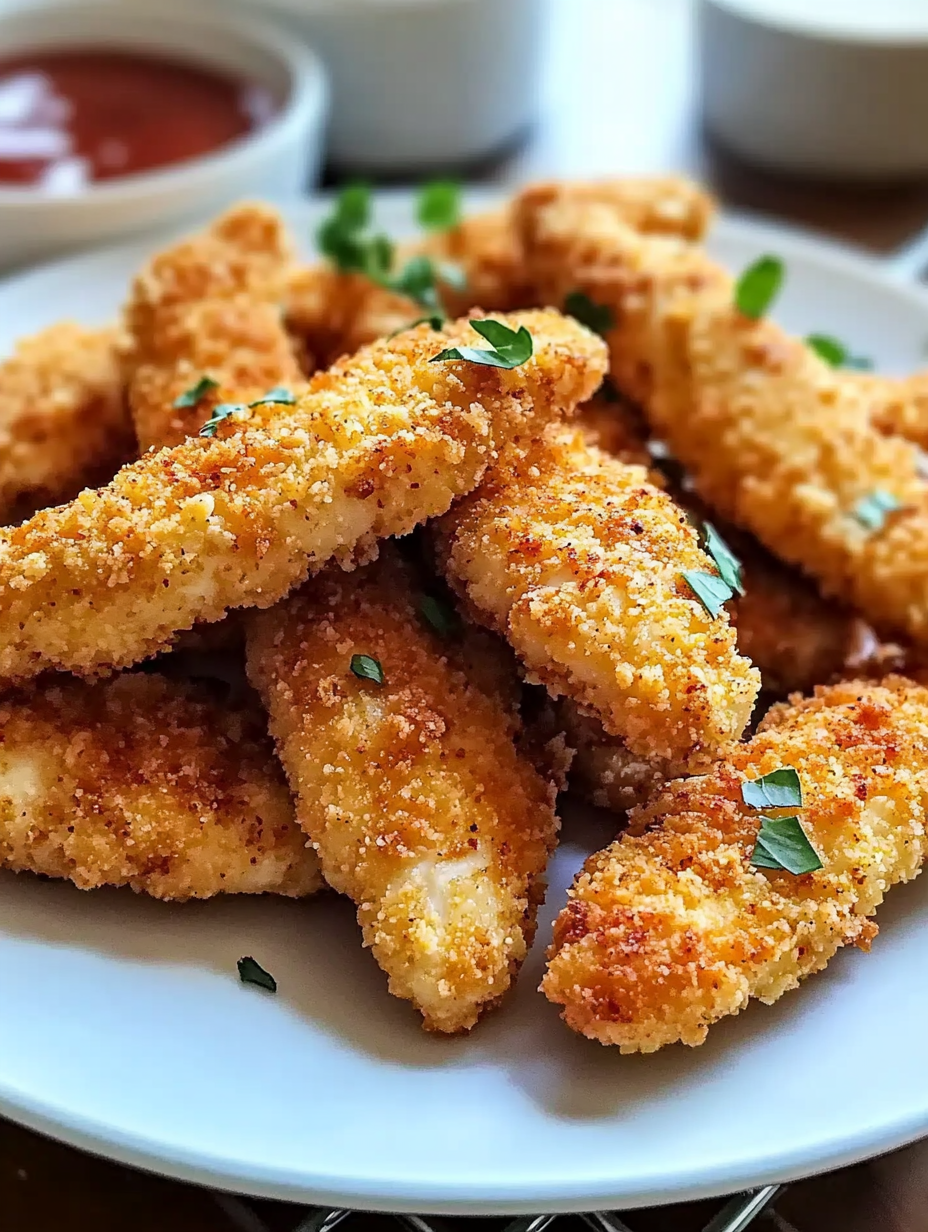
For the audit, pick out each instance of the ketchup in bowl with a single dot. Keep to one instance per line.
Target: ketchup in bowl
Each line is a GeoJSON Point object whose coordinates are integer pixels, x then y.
{"type": "Point", "coordinates": [73, 118]}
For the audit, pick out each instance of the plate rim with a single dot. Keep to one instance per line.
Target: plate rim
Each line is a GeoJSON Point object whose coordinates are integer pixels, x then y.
{"type": "Point", "coordinates": [560, 1195]}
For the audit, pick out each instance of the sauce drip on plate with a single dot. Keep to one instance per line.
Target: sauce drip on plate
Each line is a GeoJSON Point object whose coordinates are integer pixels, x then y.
{"type": "Point", "coordinates": [72, 118]}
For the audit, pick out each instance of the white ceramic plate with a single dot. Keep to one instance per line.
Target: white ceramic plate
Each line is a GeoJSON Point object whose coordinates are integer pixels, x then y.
{"type": "Point", "coordinates": [124, 1028]}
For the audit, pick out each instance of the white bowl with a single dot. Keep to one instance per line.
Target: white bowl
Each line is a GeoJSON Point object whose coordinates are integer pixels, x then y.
{"type": "Point", "coordinates": [423, 83]}
{"type": "Point", "coordinates": [278, 159]}
{"type": "Point", "coordinates": [832, 87]}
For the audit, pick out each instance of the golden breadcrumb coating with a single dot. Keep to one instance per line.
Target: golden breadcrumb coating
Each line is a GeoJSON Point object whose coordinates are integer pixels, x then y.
{"type": "Point", "coordinates": [150, 783]}
{"type": "Point", "coordinates": [378, 444]}
{"type": "Point", "coordinates": [604, 771]}
{"type": "Point", "coordinates": [899, 405]}
{"type": "Point", "coordinates": [412, 791]}
{"type": "Point", "coordinates": [654, 205]}
{"type": "Point", "coordinates": [775, 439]}
{"type": "Point", "coordinates": [331, 313]}
{"type": "Point", "coordinates": [671, 929]}
{"type": "Point", "coordinates": [209, 306]}
{"type": "Point", "coordinates": [577, 560]}
{"type": "Point", "coordinates": [64, 421]}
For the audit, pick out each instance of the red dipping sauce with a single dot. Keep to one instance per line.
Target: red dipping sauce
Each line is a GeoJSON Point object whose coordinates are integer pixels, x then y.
{"type": "Point", "coordinates": [73, 118]}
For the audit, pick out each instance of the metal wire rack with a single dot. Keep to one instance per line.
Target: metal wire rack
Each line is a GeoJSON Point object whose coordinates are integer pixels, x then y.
{"type": "Point", "coordinates": [734, 1215]}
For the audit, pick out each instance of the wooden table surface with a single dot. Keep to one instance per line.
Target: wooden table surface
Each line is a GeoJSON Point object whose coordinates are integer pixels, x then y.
{"type": "Point", "coordinates": [619, 98]}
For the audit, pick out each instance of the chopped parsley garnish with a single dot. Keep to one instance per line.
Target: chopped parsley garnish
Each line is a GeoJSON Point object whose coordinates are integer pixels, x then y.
{"type": "Point", "coordinates": [727, 563]}
{"type": "Point", "coordinates": [711, 591]}
{"type": "Point", "coordinates": [220, 413]}
{"type": "Point", "coordinates": [758, 287]}
{"type": "Point", "coordinates": [273, 397]}
{"type": "Point", "coordinates": [836, 353]}
{"type": "Point", "coordinates": [783, 844]}
{"type": "Point", "coordinates": [509, 347]}
{"type": "Point", "coordinates": [366, 668]}
{"type": "Point", "coordinates": [195, 395]}
{"type": "Point", "coordinates": [598, 317]}
{"type": "Point", "coordinates": [439, 615]}
{"type": "Point", "coordinates": [417, 280]}
{"type": "Point", "coordinates": [871, 510]}
{"type": "Point", "coordinates": [251, 972]}
{"type": "Point", "coordinates": [435, 323]}
{"type": "Point", "coordinates": [438, 205]}
{"type": "Point", "coordinates": [343, 238]}
{"type": "Point", "coordinates": [778, 789]}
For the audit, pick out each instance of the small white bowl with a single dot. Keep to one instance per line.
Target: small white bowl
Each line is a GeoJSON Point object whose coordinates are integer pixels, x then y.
{"type": "Point", "coordinates": [278, 159]}
{"type": "Point", "coordinates": [828, 87]}
{"type": "Point", "coordinates": [423, 83]}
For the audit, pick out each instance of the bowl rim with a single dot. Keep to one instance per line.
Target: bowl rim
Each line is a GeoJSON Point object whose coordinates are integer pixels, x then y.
{"type": "Point", "coordinates": [307, 95]}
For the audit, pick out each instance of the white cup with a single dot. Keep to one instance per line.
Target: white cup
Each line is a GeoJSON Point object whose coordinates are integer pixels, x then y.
{"type": "Point", "coordinates": [423, 83]}
{"type": "Point", "coordinates": [829, 87]}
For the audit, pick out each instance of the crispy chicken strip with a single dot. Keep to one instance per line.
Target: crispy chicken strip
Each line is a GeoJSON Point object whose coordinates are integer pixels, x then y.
{"type": "Point", "coordinates": [64, 422]}
{"type": "Point", "coordinates": [776, 440]}
{"type": "Point", "coordinates": [380, 443]}
{"type": "Point", "coordinates": [333, 313]}
{"type": "Point", "coordinates": [411, 790]}
{"type": "Point", "coordinates": [210, 306]}
{"type": "Point", "coordinates": [150, 783]}
{"type": "Point", "coordinates": [671, 928]}
{"type": "Point", "coordinates": [577, 559]}
{"type": "Point", "coordinates": [790, 633]}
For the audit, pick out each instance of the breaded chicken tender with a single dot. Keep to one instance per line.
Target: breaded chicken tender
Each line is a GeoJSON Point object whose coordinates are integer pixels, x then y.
{"type": "Point", "coordinates": [411, 789]}
{"type": "Point", "coordinates": [150, 783]}
{"type": "Point", "coordinates": [64, 422]}
{"type": "Point", "coordinates": [671, 928]}
{"type": "Point", "coordinates": [378, 444]}
{"type": "Point", "coordinates": [209, 306]}
{"type": "Point", "coordinates": [578, 560]}
{"type": "Point", "coordinates": [776, 440]}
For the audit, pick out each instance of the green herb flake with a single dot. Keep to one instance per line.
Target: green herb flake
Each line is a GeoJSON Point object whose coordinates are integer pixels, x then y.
{"type": "Point", "coordinates": [871, 510]}
{"type": "Point", "coordinates": [195, 395]}
{"type": "Point", "coordinates": [727, 563]}
{"type": "Point", "coordinates": [366, 668]}
{"type": "Point", "coordinates": [758, 287]}
{"type": "Point", "coordinates": [251, 972]}
{"type": "Point", "coordinates": [597, 317]}
{"type": "Point", "coordinates": [827, 348]}
{"type": "Point", "coordinates": [510, 347]}
{"type": "Point", "coordinates": [778, 789]}
{"type": "Point", "coordinates": [432, 322]}
{"type": "Point", "coordinates": [836, 353]}
{"type": "Point", "coordinates": [438, 205]}
{"type": "Point", "coordinates": [220, 413]}
{"type": "Point", "coordinates": [439, 615]}
{"type": "Point", "coordinates": [711, 591]}
{"type": "Point", "coordinates": [274, 397]}
{"type": "Point", "coordinates": [783, 844]}
{"type": "Point", "coordinates": [417, 281]}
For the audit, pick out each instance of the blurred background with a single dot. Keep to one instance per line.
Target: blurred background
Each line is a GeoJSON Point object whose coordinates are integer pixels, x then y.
{"type": "Point", "coordinates": [810, 112]}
